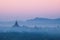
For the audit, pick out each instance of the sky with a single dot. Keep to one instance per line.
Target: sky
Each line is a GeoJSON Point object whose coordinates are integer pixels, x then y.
{"type": "Point", "coordinates": [27, 9]}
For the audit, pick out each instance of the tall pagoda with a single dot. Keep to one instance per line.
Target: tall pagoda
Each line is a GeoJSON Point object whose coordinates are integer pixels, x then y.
{"type": "Point", "coordinates": [16, 24]}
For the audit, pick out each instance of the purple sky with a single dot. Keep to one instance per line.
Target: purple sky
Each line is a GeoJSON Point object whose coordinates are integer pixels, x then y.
{"type": "Point", "coordinates": [27, 9]}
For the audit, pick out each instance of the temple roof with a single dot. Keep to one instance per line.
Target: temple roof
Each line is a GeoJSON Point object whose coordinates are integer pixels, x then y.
{"type": "Point", "coordinates": [16, 24]}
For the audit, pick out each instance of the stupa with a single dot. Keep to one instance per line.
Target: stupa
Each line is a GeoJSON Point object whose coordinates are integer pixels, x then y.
{"type": "Point", "coordinates": [16, 24]}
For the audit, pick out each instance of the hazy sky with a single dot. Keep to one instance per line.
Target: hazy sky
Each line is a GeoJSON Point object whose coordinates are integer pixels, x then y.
{"type": "Point", "coordinates": [26, 9]}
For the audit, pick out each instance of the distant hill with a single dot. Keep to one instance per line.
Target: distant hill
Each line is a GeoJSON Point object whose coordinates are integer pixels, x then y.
{"type": "Point", "coordinates": [38, 19]}
{"type": "Point", "coordinates": [44, 20]}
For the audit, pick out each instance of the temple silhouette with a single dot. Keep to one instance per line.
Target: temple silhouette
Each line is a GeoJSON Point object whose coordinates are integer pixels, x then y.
{"type": "Point", "coordinates": [16, 24]}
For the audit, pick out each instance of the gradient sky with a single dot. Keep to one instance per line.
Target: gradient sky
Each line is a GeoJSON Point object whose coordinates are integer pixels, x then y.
{"type": "Point", "coordinates": [27, 9]}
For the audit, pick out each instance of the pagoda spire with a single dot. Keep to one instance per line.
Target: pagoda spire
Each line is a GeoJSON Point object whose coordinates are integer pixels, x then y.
{"type": "Point", "coordinates": [16, 24]}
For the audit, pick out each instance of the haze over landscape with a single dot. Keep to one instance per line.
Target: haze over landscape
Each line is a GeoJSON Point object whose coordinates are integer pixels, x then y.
{"type": "Point", "coordinates": [29, 19]}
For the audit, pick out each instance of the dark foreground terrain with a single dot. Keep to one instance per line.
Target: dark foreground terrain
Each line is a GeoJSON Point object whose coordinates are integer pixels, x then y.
{"type": "Point", "coordinates": [28, 36]}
